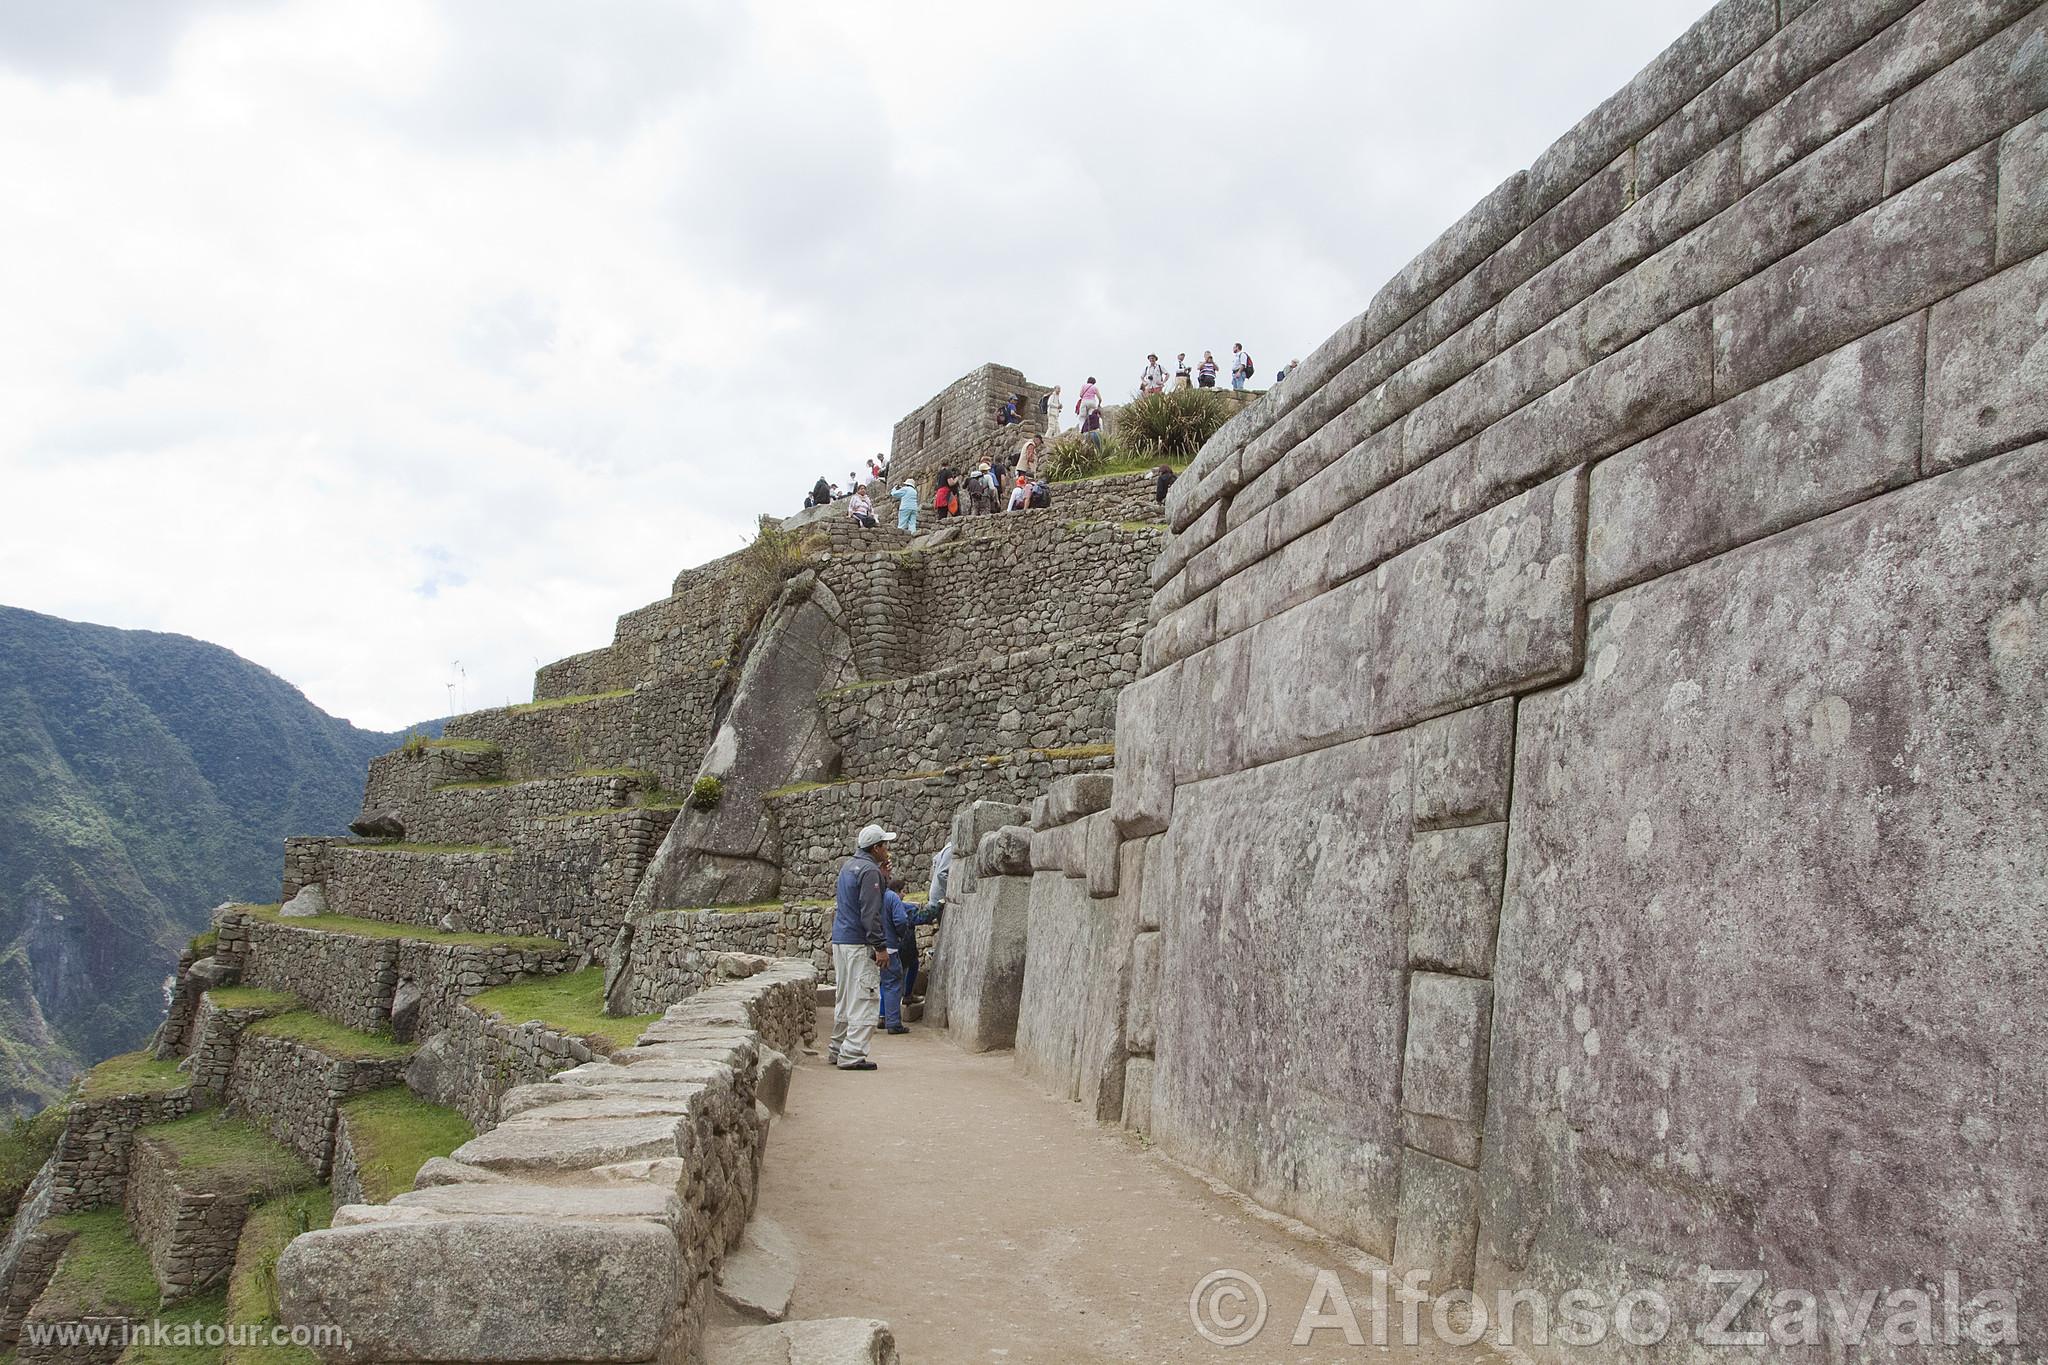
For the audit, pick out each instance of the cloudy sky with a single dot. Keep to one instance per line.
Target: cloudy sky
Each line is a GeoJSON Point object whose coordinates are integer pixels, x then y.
{"type": "Point", "coordinates": [401, 346]}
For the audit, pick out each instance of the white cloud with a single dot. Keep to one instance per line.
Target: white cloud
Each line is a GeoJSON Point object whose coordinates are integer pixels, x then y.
{"type": "Point", "coordinates": [363, 339]}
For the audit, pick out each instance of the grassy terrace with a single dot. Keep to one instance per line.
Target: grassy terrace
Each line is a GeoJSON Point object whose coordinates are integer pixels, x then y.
{"type": "Point", "coordinates": [104, 1270]}
{"type": "Point", "coordinates": [393, 1132]}
{"type": "Point", "coordinates": [25, 1143]}
{"type": "Point", "coordinates": [131, 1073]}
{"type": "Point", "coordinates": [228, 1155]}
{"type": "Point", "coordinates": [252, 1289]}
{"type": "Point", "coordinates": [201, 945]}
{"type": "Point", "coordinates": [252, 998]}
{"type": "Point", "coordinates": [554, 703]}
{"type": "Point", "coordinates": [324, 1035]}
{"type": "Point", "coordinates": [466, 746]}
{"type": "Point", "coordinates": [572, 1003]}
{"type": "Point", "coordinates": [493, 850]}
{"type": "Point", "coordinates": [376, 928]}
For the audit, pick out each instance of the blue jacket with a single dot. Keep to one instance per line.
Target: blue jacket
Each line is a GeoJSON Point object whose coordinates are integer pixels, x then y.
{"type": "Point", "coordinates": [857, 903]}
{"type": "Point", "coordinates": [900, 919]}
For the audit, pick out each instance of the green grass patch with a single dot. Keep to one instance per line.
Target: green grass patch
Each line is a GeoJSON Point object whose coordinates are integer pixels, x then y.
{"type": "Point", "coordinates": [571, 1003]}
{"type": "Point", "coordinates": [131, 1073]}
{"type": "Point", "coordinates": [252, 998]}
{"type": "Point", "coordinates": [207, 1310]}
{"type": "Point", "coordinates": [494, 850]}
{"type": "Point", "coordinates": [25, 1144]}
{"type": "Point", "coordinates": [797, 789]}
{"type": "Point", "coordinates": [393, 1132]}
{"type": "Point", "coordinates": [1159, 526]}
{"type": "Point", "coordinates": [202, 945]}
{"type": "Point", "coordinates": [642, 774]}
{"type": "Point", "coordinates": [104, 1269]}
{"type": "Point", "coordinates": [319, 1032]}
{"type": "Point", "coordinates": [252, 1288]}
{"type": "Point", "coordinates": [225, 1154]}
{"type": "Point", "coordinates": [477, 786]}
{"type": "Point", "coordinates": [1078, 751]}
{"type": "Point", "coordinates": [462, 746]}
{"type": "Point", "coordinates": [376, 928]}
{"type": "Point", "coordinates": [553, 703]}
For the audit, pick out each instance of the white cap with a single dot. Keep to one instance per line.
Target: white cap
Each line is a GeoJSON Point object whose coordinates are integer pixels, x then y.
{"type": "Point", "coordinates": [871, 835]}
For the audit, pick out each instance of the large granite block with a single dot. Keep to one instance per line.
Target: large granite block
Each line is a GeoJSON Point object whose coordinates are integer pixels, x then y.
{"type": "Point", "coordinates": [981, 960]}
{"type": "Point", "coordinates": [1439, 1225]}
{"type": "Point", "coordinates": [1491, 607]}
{"type": "Point", "coordinates": [1102, 847]}
{"type": "Point", "coordinates": [1138, 1095]}
{"type": "Point", "coordinates": [1443, 1070]}
{"type": "Point", "coordinates": [1310, 685]}
{"type": "Point", "coordinates": [1454, 885]}
{"type": "Point", "coordinates": [1987, 367]}
{"type": "Point", "coordinates": [1828, 434]}
{"type": "Point", "coordinates": [1208, 731]}
{"type": "Point", "coordinates": [1723, 37]}
{"type": "Point", "coordinates": [1762, 994]}
{"type": "Point", "coordinates": [1914, 248]}
{"type": "Point", "coordinates": [1142, 1023]}
{"type": "Point", "coordinates": [1282, 986]}
{"type": "Point", "coordinates": [1934, 34]}
{"type": "Point", "coordinates": [1975, 99]}
{"type": "Point", "coordinates": [2023, 191]}
{"type": "Point", "coordinates": [1490, 222]}
{"type": "Point", "coordinates": [1292, 574]}
{"type": "Point", "coordinates": [524, 1286]}
{"type": "Point", "coordinates": [1147, 712]}
{"type": "Point", "coordinates": [1462, 764]}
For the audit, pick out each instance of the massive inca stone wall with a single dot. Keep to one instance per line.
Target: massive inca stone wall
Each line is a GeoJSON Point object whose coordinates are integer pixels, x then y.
{"type": "Point", "coordinates": [1589, 761]}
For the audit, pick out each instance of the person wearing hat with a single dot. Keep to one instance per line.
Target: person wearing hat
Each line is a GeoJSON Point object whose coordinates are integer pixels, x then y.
{"type": "Point", "coordinates": [859, 949]}
{"type": "Point", "coordinates": [1154, 378]}
{"type": "Point", "coordinates": [906, 505]}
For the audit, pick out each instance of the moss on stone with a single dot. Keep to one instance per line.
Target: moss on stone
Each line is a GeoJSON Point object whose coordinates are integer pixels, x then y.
{"type": "Point", "coordinates": [25, 1144]}
{"type": "Point", "coordinates": [103, 1271]}
{"type": "Point", "coordinates": [324, 1035]}
{"type": "Point", "coordinates": [206, 1311]}
{"type": "Point", "coordinates": [477, 786]}
{"type": "Point", "coordinates": [393, 1132]}
{"type": "Point", "coordinates": [252, 1288]}
{"type": "Point", "coordinates": [798, 788]}
{"type": "Point", "coordinates": [641, 773]}
{"type": "Point", "coordinates": [202, 945]}
{"type": "Point", "coordinates": [466, 746]}
{"type": "Point", "coordinates": [229, 1155]}
{"type": "Point", "coordinates": [376, 928]}
{"type": "Point", "coordinates": [131, 1073]}
{"type": "Point", "coordinates": [571, 1003]}
{"type": "Point", "coordinates": [554, 703]}
{"type": "Point", "coordinates": [1078, 751]}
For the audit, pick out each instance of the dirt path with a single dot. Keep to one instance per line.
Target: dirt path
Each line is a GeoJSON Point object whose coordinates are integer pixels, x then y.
{"type": "Point", "coordinates": [989, 1222]}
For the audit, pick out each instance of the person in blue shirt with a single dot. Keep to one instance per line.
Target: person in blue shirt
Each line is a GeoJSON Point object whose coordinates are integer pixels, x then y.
{"type": "Point", "coordinates": [860, 949]}
{"type": "Point", "coordinates": [900, 919]}
{"type": "Point", "coordinates": [906, 506]}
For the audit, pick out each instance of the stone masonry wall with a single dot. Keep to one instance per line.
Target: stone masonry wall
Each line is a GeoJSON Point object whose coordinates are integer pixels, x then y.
{"type": "Point", "coordinates": [676, 953]}
{"type": "Point", "coordinates": [1060, 695]}
{"type": "Point", "coordinates": [1623, 636]}
{"type": "Point", "coordinates": [959, 422]}
{"type": "Point", "coordinates": [290, 1090]}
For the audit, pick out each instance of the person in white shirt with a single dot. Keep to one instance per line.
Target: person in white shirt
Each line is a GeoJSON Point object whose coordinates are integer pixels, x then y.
{"type": "Point", "coordinates": [1052, 412]}
{"type": "Point", "coordinates": [1240, 365]}
{"type": "Point", "coordinates": [1020, 496]}
{"type": "Point", "coordinates": [863, 510]}
{"type": "Point", "coordinates": [1154, 378]}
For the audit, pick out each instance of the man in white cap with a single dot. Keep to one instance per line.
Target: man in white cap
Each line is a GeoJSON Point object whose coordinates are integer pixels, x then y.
{"type": "Point", "coordinates": [859, 950]}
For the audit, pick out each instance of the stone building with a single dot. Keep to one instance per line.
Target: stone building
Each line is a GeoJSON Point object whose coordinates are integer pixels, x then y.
{"type": "Point", "coordinates": [957, 425]}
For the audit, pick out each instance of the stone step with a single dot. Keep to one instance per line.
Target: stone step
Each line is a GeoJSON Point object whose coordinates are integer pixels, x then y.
{"type": "Point", "coordinates": [505, 810]}
{"type": "Point", "coordinates": [366, 975]}
{"type": "Point", "coordinates": [557, 736]}
{"type": "Point", "coordinates": [758, 1276]}
{"type": "Point", "coordinates": [1055, 698]}
{"type": "Point", "coordinates": [815, 1341]}
{"type": "Point", "coordinates": [569, 878]}
{"type": "Point", "coordinates": [191, 1184]}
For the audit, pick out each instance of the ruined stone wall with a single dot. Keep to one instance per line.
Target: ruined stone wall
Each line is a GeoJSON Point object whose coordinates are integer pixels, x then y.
{"type": "Point", "coordinates": [958, 423]}
{"type": "Point", "coordinates": [484, 1055]}
{"type": "Point", "coordinates": [291, 1090]}
{"type": "Point", "coordinates": [1116, 498]}
{"type": "Point", "coordinates": [1596, 701]}
{"type": "Point", "coordinates": [676, 952]}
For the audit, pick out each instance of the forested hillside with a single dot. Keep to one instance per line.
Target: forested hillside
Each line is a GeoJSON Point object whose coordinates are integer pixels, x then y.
{"type": "Point", "coordinates": [144, 779]}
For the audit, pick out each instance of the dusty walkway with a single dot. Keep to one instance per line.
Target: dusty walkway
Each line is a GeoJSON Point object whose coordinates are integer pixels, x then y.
{"type": "Point", "coordinates": [988, 1222]}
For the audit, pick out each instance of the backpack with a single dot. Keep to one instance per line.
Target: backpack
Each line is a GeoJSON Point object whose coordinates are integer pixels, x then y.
{"type": "Point", "coordinates": [1044, 404]}
{"type": "Point", "coordinates": [1248, 370]}
{"type": "Point", "coordinates": [1041, 496]}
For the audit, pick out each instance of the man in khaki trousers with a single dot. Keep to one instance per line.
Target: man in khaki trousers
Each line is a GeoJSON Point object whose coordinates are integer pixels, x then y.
{"type": "Point", "coordinates": [859, 950]}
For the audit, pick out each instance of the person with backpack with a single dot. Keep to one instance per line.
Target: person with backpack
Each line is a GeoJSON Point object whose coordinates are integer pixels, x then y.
{"type": "Point", "coordinates": [1208, 370]}
{"type": "Point", "coordinates": [863, 510]}
{"type": "Point", "coordinates": [1020, 496]}
{"type": "Point", "coordinates": [1240, 365]}
{"type": "Point", "coordinates": [1041, 493]}
{"type": "Point", "coordinates": [821, 492]}
{"type": "Point", "coordinates": [1162, 482]}
{"type": "Point", "coordinates": [1090, 399]}
{"type": "Point", "coordinates": [1153, 380]}
{"type": "Point", "coordinates": [1183, 377]}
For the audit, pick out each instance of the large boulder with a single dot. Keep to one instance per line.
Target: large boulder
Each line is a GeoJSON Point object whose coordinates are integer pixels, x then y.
{"type": "Point", "coordinates": [311, 900]}
{"type": "Point", "coordinates": [383, 824]}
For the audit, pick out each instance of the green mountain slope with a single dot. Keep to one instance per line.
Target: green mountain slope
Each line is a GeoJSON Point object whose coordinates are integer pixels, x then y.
{"type": "Point", "coordinates": [144, 779]}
